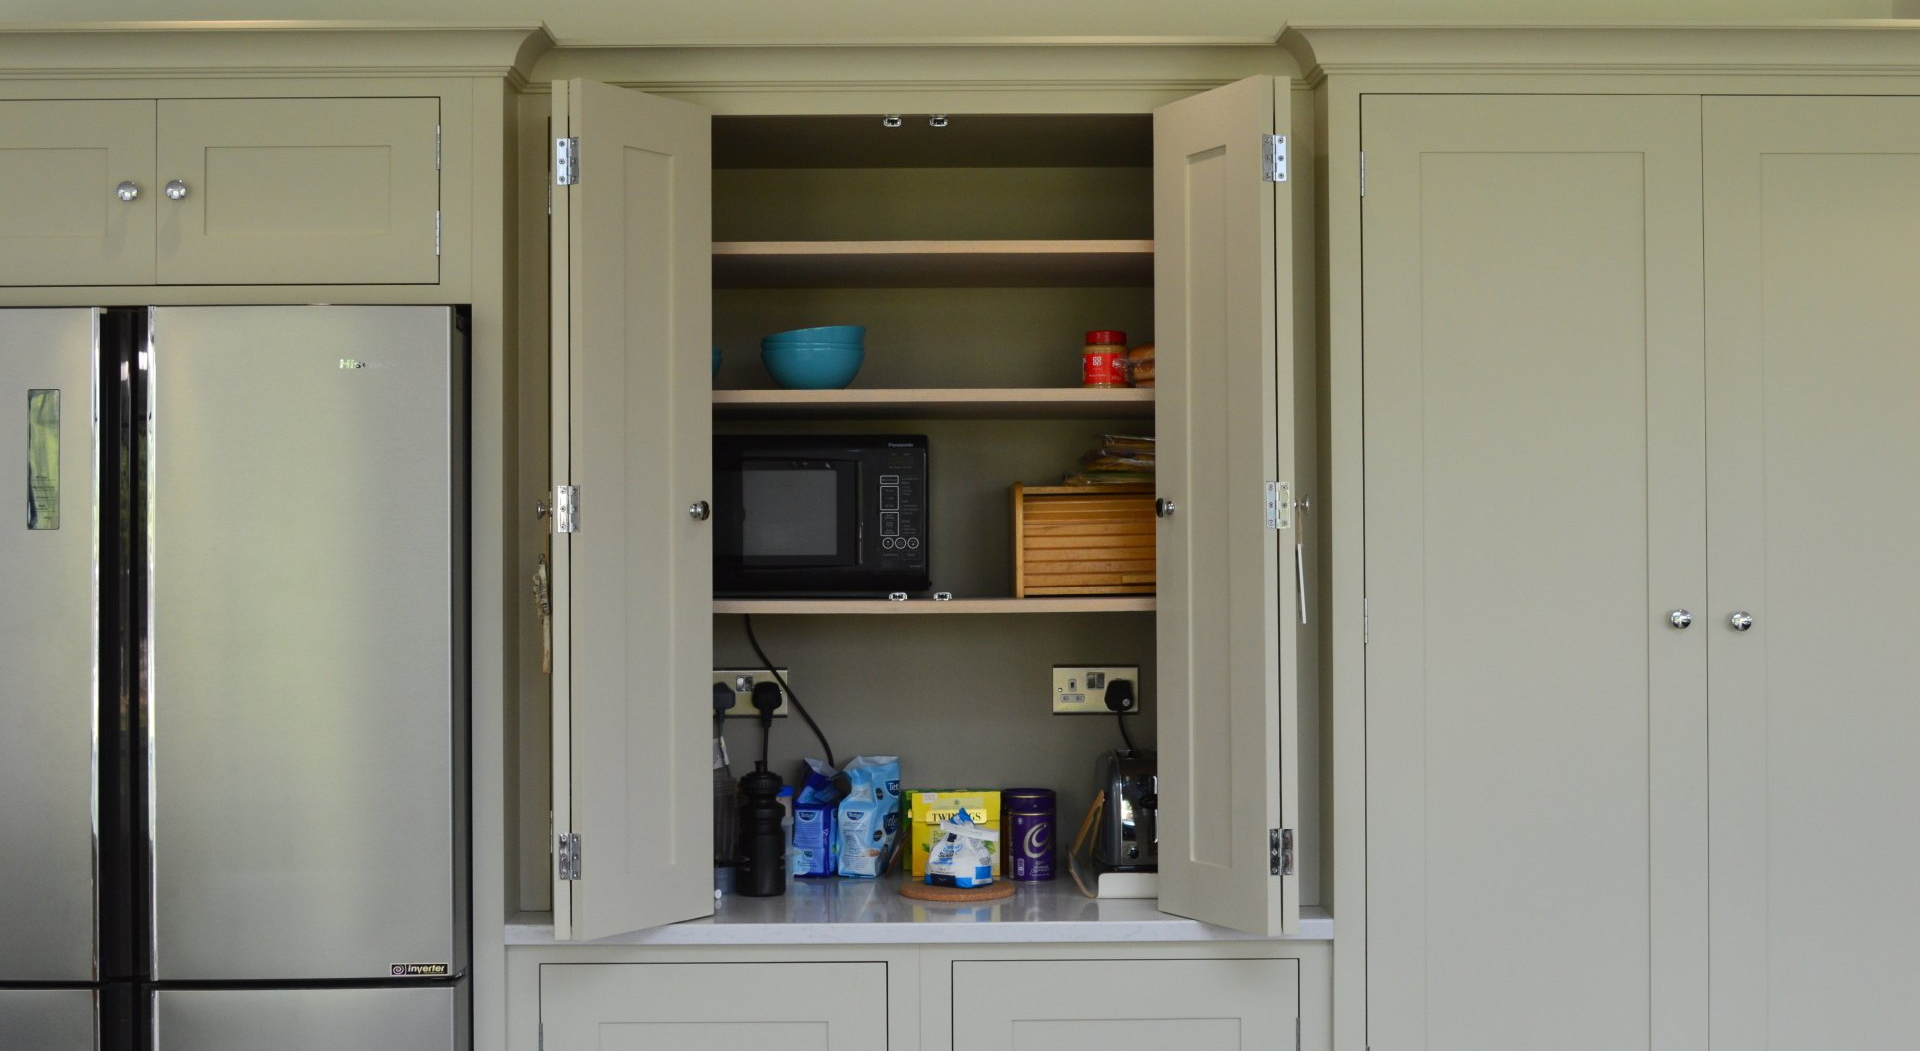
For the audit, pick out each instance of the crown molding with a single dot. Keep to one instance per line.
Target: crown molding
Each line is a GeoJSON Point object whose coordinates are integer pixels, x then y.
{"type": "Point", "coordinates": [150, 50]}
{"type": "Point", "coordinates": [958, 70]}
{"type": "Point", "coordinates": [1876, 47]}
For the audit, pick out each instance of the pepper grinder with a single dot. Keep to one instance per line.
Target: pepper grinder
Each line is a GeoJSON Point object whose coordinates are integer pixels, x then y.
{"type": "Point", "coordinates": [763, 870]}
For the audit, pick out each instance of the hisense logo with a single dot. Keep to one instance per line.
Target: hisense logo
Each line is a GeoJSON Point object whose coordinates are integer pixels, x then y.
{"type": "Point", "coordinates": [356, 364]}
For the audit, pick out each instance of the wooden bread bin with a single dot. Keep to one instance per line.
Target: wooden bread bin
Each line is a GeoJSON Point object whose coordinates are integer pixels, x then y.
{"type": "Point", "coordinates": [1083, 540]}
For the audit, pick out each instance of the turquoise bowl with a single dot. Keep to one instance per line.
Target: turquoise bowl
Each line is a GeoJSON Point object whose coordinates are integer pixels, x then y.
{"type": "Point", "coordinates": [812, 366]}
{"type": "Point", "coordinates": [855, 334]}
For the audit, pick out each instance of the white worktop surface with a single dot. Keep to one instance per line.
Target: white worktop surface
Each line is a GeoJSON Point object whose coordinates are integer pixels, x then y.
{"type": "Point", "coordinates": [868, 912]}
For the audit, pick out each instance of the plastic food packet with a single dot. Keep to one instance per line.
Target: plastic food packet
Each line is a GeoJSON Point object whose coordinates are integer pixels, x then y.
{"type": "Point", "coordinates": [813, 832]}
{"type": "Point", "coordinates": [869, 815]}
{"type": "Point", "coordinates": [964, 855]}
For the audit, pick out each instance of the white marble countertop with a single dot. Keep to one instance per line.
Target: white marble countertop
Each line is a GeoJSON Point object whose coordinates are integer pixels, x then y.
{"type": "Point", "coordinates": [872, 912]}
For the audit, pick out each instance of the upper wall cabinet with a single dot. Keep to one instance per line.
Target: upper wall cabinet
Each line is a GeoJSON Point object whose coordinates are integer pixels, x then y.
{"type": "Point", "coordinates": [220, 191]}
{"type": "Point", "coordinates": [633, 317]}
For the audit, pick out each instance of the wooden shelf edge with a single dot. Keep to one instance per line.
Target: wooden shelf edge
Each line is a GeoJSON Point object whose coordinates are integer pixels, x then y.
{"type": "Point", "coordinates": [1114, 246]}
{"type": "Point", "coordinates": [916, 606]}
{"type": "Point", "coordinates": [956, 402]}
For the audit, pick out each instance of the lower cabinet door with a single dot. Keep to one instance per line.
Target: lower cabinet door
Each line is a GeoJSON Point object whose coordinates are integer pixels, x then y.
{"type": "Point", "coordinates": [713, 1006]}
{"type": "Point", "coordinates": [1100, 1005]}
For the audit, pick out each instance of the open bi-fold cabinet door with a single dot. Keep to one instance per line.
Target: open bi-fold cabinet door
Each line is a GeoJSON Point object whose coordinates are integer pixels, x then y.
{"type": "Point", "coordinates": [632, 247]}
{"type": "Point", "coordinates": [1223, 318]}
{"type": "Point", "coordinates": [632, 554]}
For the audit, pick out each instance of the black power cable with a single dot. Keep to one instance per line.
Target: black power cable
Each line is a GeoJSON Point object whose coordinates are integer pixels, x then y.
{"type": "Point", "coordinates": [767, 662]}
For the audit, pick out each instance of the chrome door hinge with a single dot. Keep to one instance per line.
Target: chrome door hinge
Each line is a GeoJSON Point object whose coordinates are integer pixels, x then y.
{"type": "Point", "coordinates": [1366, 622]}
{"type": "Point", "coordinates": [436, 232]}
{"type": "Point", "coordinates": [1279, 505]}
{"type": "Point", "coordinates": [566, 162]}
{"type": "Point", "coordinates": [1363, 173]}
{"type": "Point", "coordinates": [1280, 851]}
{"type": "Point", "coordinates": [436, 147]}
{"type": "Point", "coordinates": [1273, 158]}
{"type": "Point", "coordinates": [566, 509]}
{"type": "Point", "coordinates": [569, 856]}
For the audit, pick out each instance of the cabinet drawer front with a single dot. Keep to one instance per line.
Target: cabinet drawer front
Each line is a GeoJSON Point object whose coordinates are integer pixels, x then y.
{"type": "Point", "coordinates": [1099, 1005]}
{"type": "Point", "coordinates": [60, 220]}
{"type": "Point", "coordinates": [299, 191]}
{"type": "Point", "coordinates": [714, 1006]}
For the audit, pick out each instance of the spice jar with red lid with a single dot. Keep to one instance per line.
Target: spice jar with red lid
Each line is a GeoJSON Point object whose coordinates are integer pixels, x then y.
{"type": "Point", "coordinates": [1104, 363]}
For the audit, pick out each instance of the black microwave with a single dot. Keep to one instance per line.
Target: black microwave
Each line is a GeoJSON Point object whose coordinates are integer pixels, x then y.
{"type": "Point", "coordinates": [823, 515]}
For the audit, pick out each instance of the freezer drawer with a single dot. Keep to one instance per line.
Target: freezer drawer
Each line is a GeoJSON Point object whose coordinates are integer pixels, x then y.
{"type": "Point", "coordinates": [344, 1019]}
{"type": "Point", "coordinates": [47, 1019]}
{"type": "Point", "coordinates": [303, 694]}
{"type": "Point", "coordinates": [47, 662]}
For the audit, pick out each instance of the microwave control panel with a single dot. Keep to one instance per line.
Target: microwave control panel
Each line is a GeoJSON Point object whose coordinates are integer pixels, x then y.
{"type": "Point", "coordinates": [899, 502]}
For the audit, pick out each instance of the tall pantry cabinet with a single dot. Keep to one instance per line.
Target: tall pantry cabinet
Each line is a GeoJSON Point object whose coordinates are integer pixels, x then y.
{"type": "Point", "coordinates": [632, 315]}
{"type": "Point", "coordinates": [1640, 496]}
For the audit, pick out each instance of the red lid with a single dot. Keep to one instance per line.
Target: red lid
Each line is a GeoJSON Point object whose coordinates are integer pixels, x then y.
{"type": "Point", "coordinates": [1107, 335]}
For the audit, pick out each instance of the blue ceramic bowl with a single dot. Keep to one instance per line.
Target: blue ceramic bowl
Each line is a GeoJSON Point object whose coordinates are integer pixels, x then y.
{"type": "Point", "coordinates": [812, 366]}
{"type": "Point", "coordinates": [854, 334]}
{"type": "Point", "coordinates": [716, 361]}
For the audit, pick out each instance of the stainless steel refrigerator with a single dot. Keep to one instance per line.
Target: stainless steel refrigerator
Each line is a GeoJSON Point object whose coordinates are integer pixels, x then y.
{"type": "Point", "coordinates": [233, 792]}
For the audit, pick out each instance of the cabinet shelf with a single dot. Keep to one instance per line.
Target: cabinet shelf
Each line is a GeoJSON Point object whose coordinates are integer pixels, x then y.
{"type": "Point", "coordinates": [882, 607]}
{"type": "Point", "coordinates": [976, 403]}
{"type": "Point", "coordinates": [928, 264]}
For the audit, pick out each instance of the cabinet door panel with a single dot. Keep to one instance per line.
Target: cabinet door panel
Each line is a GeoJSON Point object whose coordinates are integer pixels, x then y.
{"type": "Point", "coordinates": [1222, 303]}
{"type": "Point", "coordinates": [1536, 731]}
{"type": "Point", "coordinates": [299, 191]}
{"type": "Point", "coordinates": [60, 220]}
{"type": "Point", "coordinates": [633, 587]}
{"type": "Point", "coordinates": [1813, 259]}
{"type": "Point", "coordinates": [714, 1006]}
{"type": "Point", "coordinates": [1098, 1005]}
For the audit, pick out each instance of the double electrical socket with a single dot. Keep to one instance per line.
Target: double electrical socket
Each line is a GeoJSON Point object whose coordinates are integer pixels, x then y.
{"type": "Point", "coordinates": [1081, 689]}
{"type": "Point", "coordinates": [741, 680]}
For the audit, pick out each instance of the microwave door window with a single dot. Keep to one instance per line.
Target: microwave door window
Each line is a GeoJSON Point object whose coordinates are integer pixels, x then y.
{"type": "Point", "coordinates": [797, 514]}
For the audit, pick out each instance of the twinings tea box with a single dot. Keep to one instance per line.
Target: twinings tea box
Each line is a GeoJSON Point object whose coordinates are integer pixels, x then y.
{"type": "Point", "coordinates": [927, 809]}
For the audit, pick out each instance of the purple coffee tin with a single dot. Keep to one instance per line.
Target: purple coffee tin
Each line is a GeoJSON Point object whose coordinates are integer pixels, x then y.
{"type": "Point", "coordinates": [1029, 824]}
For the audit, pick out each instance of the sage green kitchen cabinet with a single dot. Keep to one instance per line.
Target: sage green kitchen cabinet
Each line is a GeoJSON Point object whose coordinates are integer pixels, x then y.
{"type": "Point", "coordinates": [1097, 1005]}
{"type": "Point", "coordinates": [227, 191]}
{"type": "Point", "coordinates": [60, 220]}
{"type": "Point", "coordinates": [1813, 484]}
{"type": "Point", "coordinates": [1641, 490]}
{"type": "Point", "coordinates": [632, 419]}
{"type": "Point", "coordinates": [713, 1006]}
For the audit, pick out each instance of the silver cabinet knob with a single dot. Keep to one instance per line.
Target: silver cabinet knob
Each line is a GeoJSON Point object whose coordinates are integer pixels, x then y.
{"type": "Point", "coordinates": [1680, 618]}
{"type": "Point", "coordinates": [127, 191]}
{"type": "Point", "coordinates": [542, 509]}
{"type": "Point", "coordinates": [176, 190]}
{"type": "Point", "coordinates": [1163, 507]}
{"type": "Point", "coordinates": [699, 511]}
{"type": "Point", "coordinates": [1741, 620]}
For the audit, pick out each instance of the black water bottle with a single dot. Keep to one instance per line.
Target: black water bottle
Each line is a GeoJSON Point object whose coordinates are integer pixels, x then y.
{"type": "Point", "coordinates": [763, 844]}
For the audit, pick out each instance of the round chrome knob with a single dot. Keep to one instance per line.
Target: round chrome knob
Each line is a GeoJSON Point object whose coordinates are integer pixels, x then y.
{"type": "Point", "coordinates": [1163, 507]}
{"type": "Point", "coordinates": [1680, 618]}
{"type": "Point", "coordinates": [699, 511]}
{"type": "Point", "coordinates": [1741, 621]}
{"type": "Point", "coordinates": [127, 191]}
{"type": "Point", "coordinates": [176, 190]}
{"type": "Point", "coordinates": [541, 509]}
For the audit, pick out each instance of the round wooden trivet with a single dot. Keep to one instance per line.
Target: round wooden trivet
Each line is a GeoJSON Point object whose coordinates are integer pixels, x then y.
{"type": "Point", "coordinates": [927, 892]}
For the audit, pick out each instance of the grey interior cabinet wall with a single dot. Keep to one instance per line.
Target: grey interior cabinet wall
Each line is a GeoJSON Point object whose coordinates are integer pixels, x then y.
{"type": "Point", "coordinates": [1596, 443]}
